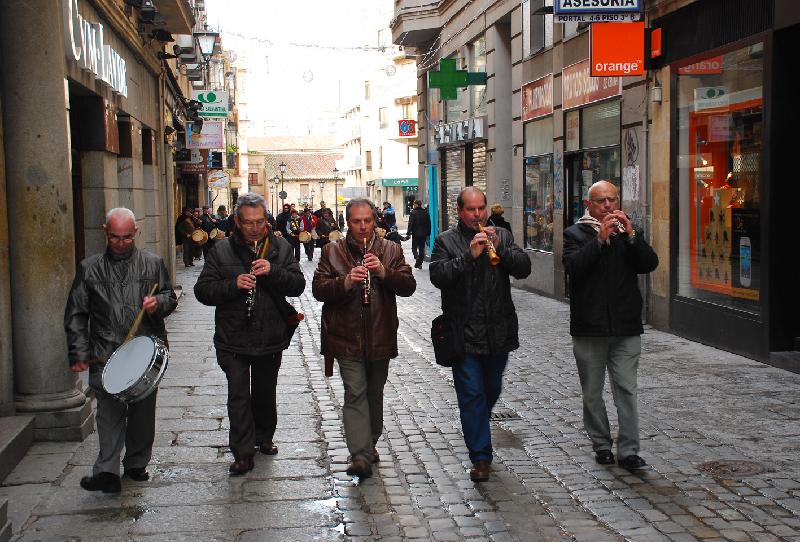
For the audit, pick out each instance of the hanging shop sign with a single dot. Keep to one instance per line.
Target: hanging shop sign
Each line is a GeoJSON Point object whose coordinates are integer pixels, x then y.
{"type": "Point", "coordinates": [403, 181]}
{"type": "Point", "coordinates": [210, 137]}
{"type": "Point", "coordinates": [597, 11]}
{"type": "Point", "coordinates": [460, 131]}
{"type": "Point", "coordinates": [218, 179]}
{"type": "Point", "coordinates": [617, 49]}
{"type": "Point", "coordinates": [407, 128]}
{"type": "Point", "coordinates": [537, 98]}
{"type": "Point", "coordinates": [215, 103]}
{"type": "Point", "coordinates": [448, 79]}
{"type": "Point", "coordinates": [579, 88]}
{"type": "Point", "coordinates": [85, 44]}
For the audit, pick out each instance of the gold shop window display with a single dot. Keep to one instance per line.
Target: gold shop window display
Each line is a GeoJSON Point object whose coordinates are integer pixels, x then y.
{"type": "Point", "coordinates": [538, 185]}
{"type": "Point", "coordinates": [720, 122]}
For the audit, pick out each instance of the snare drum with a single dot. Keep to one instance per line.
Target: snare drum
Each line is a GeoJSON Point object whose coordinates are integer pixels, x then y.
{"type": "Point", "coordinates": [381, 232]}
{"type": "Point", "coordinates": [304, 237]}
{"type": "Point", "coordinates": [214, 234]}
{"type": "Point", "coordinates": [200, 237]}
{"type": "Point", "coordinates": [134, 369]}
{"type": "Point", "coordinates": [334, 235]}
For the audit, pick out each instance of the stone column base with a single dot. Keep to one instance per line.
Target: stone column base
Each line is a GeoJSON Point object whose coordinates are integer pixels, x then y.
{"type": "Point", "coordinates": [69, 417]}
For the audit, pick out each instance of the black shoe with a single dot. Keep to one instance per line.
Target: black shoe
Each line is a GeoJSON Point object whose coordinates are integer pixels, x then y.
{"type": "Point", "coordinates": [268, 448]}
{"type": "Point", "coordinates": [632, 462]}
{"type": "Point", "coordinates": [241, 466]}
{"type": "Point", "coordinates": [138, 474]}
{"type": "Point", "coordinates": [604, 457]}
{"type": "Point", "coordinates": [359, 467]}
{"type": "Point", "coordinates": [102, 481]}
{"type": "Point", "coordinates": [481, 470]}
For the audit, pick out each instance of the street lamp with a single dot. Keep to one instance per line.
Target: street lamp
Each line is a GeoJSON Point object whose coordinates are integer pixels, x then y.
{"type": "Point", "coordinates": [312, 199]}
{"type": "Point", "coordinates": [206, 41]}
{"type": "Point", "coordinates": [336, 192]}
{"type": "Point", "coordinates": [282, 167]}
{"type": "Point", "coordinates": [275, 182]}
{"type": "Point", "coordinates": [322, 190]}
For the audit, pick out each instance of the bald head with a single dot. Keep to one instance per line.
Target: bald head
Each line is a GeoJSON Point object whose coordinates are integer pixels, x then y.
{"type": "Point", "coordinates": [120, 229]}
{"type": "Point", "coordinates": [603, 199]}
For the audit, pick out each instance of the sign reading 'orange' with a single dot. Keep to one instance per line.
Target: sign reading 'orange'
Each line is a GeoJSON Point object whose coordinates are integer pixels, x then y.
{"type": "Point", "coordinates": [617, 49]}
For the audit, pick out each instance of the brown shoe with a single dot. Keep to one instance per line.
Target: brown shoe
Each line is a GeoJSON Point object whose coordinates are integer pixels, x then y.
{"type": "Point", "coordinates": [359, 467]}
{"type": "Point", "coordinates": [375, 456]}
{"type": "Point", "coordinates": [241, 466]}
{"type": "Point", "coordinates": [480, 471]}
{"type": "Point", "coordinates": [268, 448]}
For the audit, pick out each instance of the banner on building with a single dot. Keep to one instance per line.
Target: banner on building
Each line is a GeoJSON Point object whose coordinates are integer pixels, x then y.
{"type": "Point", "coordinates": [597, 11]}
{"type": "Point", "coordinates": [579, 88]}
{"type": "Point", "coordinates": [537, 98]}
{"type": "Point", "coordinates": [211, 136]}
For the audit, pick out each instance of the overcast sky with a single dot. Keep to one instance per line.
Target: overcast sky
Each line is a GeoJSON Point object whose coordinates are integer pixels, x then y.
{"type": "Point", "coordinates": [291, 84]}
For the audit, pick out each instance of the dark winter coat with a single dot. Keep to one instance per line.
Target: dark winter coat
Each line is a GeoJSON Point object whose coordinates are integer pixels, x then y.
{"type": "Point", "coordinates": [265, 331]}
{"type": "Point", "coordinates": [499, 222]}
{"type": "Point", "coordinates": [419, 223]}
{"type": "Point", "coordinates": [351, 330]}
{"type": "Point", "coordinates": [604, 297]}
{"type": "Point", "coordinates": [106, 297]}
{"type": "Point", "coordinates": [476, 293]}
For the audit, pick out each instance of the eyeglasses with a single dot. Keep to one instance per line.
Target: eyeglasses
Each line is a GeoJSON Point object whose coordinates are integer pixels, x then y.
{"type": "Point", "coordinates": [121, 238]}
{"type": "Point", "coordinates": [253, 223]}
{"type": "Point", "coordinates": [601, 201]}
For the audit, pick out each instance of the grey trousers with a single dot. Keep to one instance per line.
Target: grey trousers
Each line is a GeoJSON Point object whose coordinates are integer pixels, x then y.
{"type": "Point", "coordinates": [620, 355]}
{"type": "Point", "coordinates": [119, 425]}
{"type": "Point", "coordinates": [363, 404]}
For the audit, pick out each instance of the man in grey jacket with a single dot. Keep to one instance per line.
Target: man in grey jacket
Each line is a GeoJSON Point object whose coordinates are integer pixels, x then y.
{"type": "Point", "coordinates": [108, 292]}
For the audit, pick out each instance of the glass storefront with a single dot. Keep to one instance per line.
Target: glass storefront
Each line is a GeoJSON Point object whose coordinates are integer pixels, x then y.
{"type": "Point", "coordinates": [538, 185]}
{"type": "Point", "coordinates": [719, 125]}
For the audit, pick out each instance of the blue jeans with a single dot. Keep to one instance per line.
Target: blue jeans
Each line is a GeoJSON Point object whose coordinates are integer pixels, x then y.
{"type": "Point", "coordinates": [478, 381]}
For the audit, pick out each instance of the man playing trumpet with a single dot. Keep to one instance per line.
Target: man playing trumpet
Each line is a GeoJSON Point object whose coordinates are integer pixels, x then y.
{"type": "Point", "coordinates": [477, 295]}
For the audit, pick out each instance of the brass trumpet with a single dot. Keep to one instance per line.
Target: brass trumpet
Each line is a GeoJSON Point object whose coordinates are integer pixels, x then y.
{"type": "Point", "coordinates": [494, 259]}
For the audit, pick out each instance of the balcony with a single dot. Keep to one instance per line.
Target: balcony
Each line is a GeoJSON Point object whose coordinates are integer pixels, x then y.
{"type": "Point", "coordinates": [415, 21]}
{"type": "Point", "coordinates": [177, 15]}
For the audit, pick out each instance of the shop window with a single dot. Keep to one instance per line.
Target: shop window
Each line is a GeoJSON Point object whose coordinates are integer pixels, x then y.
{"type": "Point", "coordinates": [478, 64]}
{"type": "Point", "coordinates": [719, 168]}
{"type": "Point", "coordinates": [538, 185]}
{"type": "Point", "coordinates": [600, 125]}
{"type": "Point", "coordinates": [537, 29]}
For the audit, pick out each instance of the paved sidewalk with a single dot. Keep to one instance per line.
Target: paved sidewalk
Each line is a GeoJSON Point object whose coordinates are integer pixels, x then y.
{"type": "Point", "coordinates": [698, 404]}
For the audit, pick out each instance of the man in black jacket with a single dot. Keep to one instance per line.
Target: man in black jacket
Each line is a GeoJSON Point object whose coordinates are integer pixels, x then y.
{"type": "Point", "coordinates": [108, 292]}
{"type": "Point", "coordinates": [603, 254]}
{"type": "Point", "coordinates": [247, 277]}
{"type": "Point", "coordinates": [477, 295]}
{"type": "Point", "coordinates": [419, 228]}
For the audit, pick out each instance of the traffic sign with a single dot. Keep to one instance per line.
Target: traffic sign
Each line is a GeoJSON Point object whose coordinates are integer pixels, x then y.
{"type": "Point", "coordinates": [282, 194]}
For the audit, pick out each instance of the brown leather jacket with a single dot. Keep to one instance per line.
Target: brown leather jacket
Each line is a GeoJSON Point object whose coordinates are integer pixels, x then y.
{"type": "Point", "coordinates": [351, 330]}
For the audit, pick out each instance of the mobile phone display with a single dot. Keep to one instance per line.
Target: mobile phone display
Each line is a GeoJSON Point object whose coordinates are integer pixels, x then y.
{"type": "Point", "coordinates": [745, 261]}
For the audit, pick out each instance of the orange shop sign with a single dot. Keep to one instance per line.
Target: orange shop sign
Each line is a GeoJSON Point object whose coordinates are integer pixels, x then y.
{"type": "Point", "coordinates": [617, 49]}
{"type": "Point", "coordinates": [704, 67]}
{"type": "Point", "coordinates": [578, 87]}
{"type": "Point", "coordinates": [537, 98]}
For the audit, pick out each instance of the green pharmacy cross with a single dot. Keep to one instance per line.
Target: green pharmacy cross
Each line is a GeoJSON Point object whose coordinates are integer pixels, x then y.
{"type": "Point", "coordinates": [448, 79]}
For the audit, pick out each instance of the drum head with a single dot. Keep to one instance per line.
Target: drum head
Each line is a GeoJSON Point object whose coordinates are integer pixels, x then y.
{"type": "Point", "coordinates": [199, 236]}
{"type": "Point", "coordinates": [304, 237]}
{"type": "Point", "coordinates": [334, 235]}
{"type": "Point", "coordinates": [128, 364]}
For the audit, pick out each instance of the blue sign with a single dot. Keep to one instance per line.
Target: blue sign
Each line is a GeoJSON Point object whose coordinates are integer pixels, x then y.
{"type": "Point", "coordinates": [587, 7]}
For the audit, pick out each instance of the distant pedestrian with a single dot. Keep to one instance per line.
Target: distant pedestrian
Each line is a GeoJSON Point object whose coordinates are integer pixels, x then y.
{"type": "Point", "coordinates": [183, 229]}
{"type": "Point", "coordinates": [388, 215]}
{"type": "Point", "coordinates": [419, 228]}
{"type": "Point", "coordinates": [496, 219]}
{"type": "Point", "coordinates": [247, 278]}
{"type": "Point", "coordinates": [476, 296]}
{"type": "Point", "coordinates": [603, 254]}
{"type": "Point", "coordinates": [357, 280]}
{"type": "Point", "coordinates": [340, 220]}
{"type": "Point", "coordinates": [283, 218]}
{"type": "Point", "coordinates": [109, 290]}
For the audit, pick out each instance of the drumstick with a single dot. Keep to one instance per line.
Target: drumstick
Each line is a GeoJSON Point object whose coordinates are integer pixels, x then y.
{"type": "Point", "coordinates": [138, 321]}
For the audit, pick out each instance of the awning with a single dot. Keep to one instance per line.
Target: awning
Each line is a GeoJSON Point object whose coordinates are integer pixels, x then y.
{"type": "Point", "coordinates": [403, 181]}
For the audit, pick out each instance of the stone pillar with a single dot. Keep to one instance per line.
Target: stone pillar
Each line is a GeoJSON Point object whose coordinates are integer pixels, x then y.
{"type": "Point", "coordinates": [6, 360]}
{"type": "Point", "coordinates": [38, 179]}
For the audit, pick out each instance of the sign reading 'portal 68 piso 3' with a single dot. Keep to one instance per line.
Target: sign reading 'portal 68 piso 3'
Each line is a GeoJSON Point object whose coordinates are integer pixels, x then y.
{"type": "Point", "coordinates": [597, 11]}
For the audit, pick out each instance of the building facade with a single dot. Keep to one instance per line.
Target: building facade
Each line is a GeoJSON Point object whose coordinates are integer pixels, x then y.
{"type": "Point", "coordinates": [692, 146]}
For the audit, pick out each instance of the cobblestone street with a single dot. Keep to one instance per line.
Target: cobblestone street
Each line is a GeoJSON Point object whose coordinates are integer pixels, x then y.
{"type": "Point", "coordinates": [697, 405]}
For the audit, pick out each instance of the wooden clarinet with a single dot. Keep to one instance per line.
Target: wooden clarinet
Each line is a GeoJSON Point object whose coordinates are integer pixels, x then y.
{"type": "Point", "coordinates": [365, 284]}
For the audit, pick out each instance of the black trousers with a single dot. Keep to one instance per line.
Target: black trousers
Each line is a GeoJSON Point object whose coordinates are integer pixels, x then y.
{"type": "Point", "coordinates": [309, 248]}
{"type": "Point", "coordinates": [296, 246]}
{"type": "Point", "coordinates": [418, 247]}
{"type": "Point", "coordinates": [188, 252]}
{"type": "Point", "coordinates": [252, 406]}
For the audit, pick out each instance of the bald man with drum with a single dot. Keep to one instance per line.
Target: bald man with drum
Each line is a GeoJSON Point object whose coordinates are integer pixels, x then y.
{"type": "Point", "coordinates": [108, 292]}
